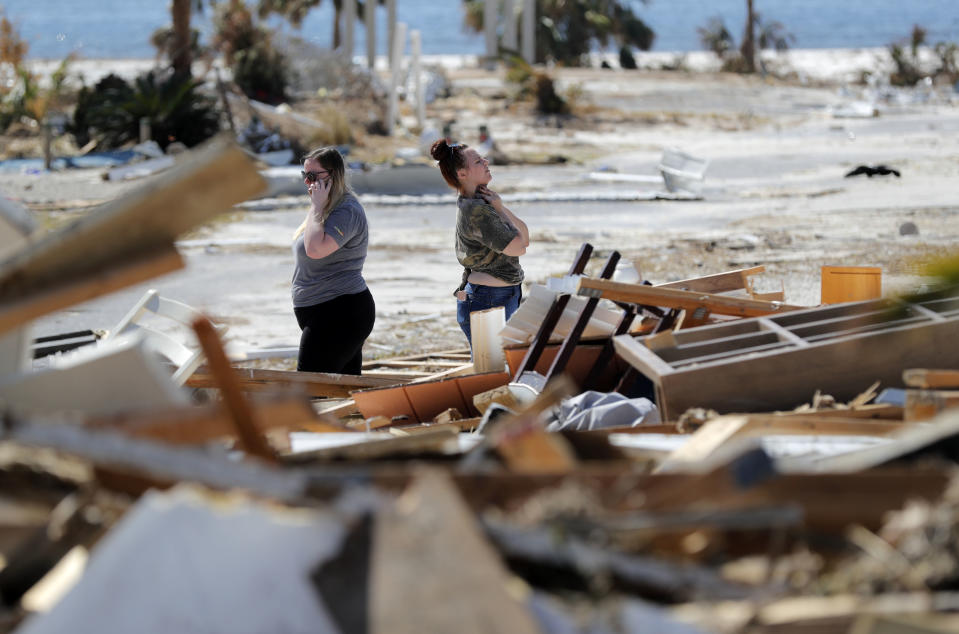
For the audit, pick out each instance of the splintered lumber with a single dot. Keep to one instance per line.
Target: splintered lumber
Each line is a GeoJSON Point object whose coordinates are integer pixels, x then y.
{"type": "Point", "coordinates": [429, 359]}
{"type": "Point", "coordinates": [829, 502]}
{"type": "Point", "coordinates": [775, 362]}
{"type": "Point", "coordinates": [930, 379]}
{"type": "Point", "coordinates": [414, 586]}
{"type": "Point", "coordinates": [692, 301]}
{"type": "Point", "coordinates": [160, 464]}
{"type": "Point", "coordinates": [314, 384]}
{"type": "Point", "coordinates": [134, 233]}
{"type": "Point", "coordinates": [878, 411]}
{"type": "Point", "coordinates": [703, 443]}
{"type": "Point", "coordinates": [714, 434]}
{"type": "Point", "coordinates": [248, 433]}
{"type": "Point", "coordinates": [936, 440]}
{"type": "Point", "coordinates": [135, 269]}
{"type": "Point", "coordinates": [439, 440]}
{"type": "Point", "coordinates": [717, 283]}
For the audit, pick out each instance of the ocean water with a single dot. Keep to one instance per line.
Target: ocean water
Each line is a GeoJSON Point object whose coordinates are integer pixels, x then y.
{"type": "Point", "coordinates": [115, 29]}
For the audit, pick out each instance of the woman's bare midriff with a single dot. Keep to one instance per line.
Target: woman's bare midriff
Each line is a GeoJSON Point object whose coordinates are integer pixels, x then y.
{"type": "Point", "coordinates": [485, 279]}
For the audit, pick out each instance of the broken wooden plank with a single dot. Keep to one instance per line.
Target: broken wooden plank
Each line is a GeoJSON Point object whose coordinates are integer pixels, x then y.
{"type": "Point", "coordinates": [58, 265]}
{"type": "Point", "coordinates": [411, 567]}
{"type": "Point", "coordinates": [345, 408]}
{"type": "Point", "coordinates": [440, 440]}
{"type": "Point", "coordinates": [936, 440]}
{"type": "Point", "coordinates": [830, 502]}
{"type": "Point", "coordinates": [248, 433]}
{"type": "Point", "coordinates": [673, 298]}
{"type": "Point", "coordinates": [716, 283]}
{"type": "Point", "coordinates": [461, 355]}
{"type": "Point", "coordinates": [157, 464]}
{"type": "Point", "coordinates": [703, 443]}
{"type": "Point", "coordinates": [135, 269]}
{"type": "Point", "coordinates": [313, 384]}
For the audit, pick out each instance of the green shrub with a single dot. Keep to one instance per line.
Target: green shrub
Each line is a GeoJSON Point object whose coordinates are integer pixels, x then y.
{"type": "Point", "coordinates": [175, 107]}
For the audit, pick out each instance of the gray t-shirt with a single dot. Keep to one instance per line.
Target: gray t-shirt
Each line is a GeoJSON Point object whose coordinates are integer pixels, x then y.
{"type": "Point", "coordinates": [481, 236]}
{"type": "Point", "coordinates": [341, 272]}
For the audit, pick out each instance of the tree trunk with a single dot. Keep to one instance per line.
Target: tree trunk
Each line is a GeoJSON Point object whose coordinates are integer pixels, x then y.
{"type": "Point", "coordinates": [181, 56]}
{"type": "Point", "coordinates": [748, 49]}
{"type": "Point", "coordinates": [337, 11]}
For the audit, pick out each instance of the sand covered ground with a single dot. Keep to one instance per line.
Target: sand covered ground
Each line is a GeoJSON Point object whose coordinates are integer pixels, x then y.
{"type": "Point", "coordinates": [775, 194]}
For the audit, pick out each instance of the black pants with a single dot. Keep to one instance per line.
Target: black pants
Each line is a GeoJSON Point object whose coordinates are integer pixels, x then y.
{"type": "Point", "coordinates": [334, 332]}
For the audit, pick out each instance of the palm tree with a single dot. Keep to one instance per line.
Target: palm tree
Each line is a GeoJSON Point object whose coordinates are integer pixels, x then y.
{"type": "Point", "coordinates": [294, 11]}
{"type": "Point", "coordinates": [567, 29]}
{"type": "Point", "coordinates": [715, 36]}
{"type": "Point", "coordinates": [182, 54]}
{"type": "Point", "coordinates": [748, 48]}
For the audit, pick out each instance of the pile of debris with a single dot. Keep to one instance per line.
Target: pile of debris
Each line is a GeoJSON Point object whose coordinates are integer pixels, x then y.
{"type": "Point", "coordinates": [618, 457]}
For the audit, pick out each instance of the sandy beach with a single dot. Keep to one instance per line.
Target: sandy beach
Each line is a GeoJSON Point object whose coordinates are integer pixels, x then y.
{"type": "Point", "coordinates": [774, 194]}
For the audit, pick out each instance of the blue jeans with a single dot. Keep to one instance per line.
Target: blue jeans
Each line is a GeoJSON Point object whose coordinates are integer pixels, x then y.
{"type": "Point", "coordinates": [480, 297]}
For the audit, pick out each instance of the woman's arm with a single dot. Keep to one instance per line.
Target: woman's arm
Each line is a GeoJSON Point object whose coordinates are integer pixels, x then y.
{"type": "Point", "coordinates": [518, 244]}
{"type": "Point", "coordinates": [316, 242]}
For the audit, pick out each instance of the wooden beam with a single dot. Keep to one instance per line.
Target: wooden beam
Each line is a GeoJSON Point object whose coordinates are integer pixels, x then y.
{"type": "Point", "coordinates": [55, 297]}
{"type": "Point", "coordinates": [204, 183]}
{"type": "Point", "coordinates": [673, 298]}
{"type": "Point", "coordinates": [247, 431]}
{"type": "Point", "coordinates": [314, 384]}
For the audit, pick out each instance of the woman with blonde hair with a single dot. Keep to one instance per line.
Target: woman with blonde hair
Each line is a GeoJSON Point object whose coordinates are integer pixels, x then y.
{"type": "Point", "coordinates": [331, 301]}
{"type": "Point", "coordinates": [489, 237]}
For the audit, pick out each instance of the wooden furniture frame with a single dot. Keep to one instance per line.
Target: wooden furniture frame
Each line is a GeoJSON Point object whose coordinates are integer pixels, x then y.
{"type": "Point", "coordinates": [778, 362]}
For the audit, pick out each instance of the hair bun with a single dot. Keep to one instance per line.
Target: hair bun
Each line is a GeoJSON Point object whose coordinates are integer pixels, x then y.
{"type": "Point", "coordinates": [440, 150]}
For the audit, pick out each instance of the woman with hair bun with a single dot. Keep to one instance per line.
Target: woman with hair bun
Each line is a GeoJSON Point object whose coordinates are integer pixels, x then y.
{"type": "Point", "coordinates": [332, 304]}
{"type": "Point", "coordinates": [489, 237]}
